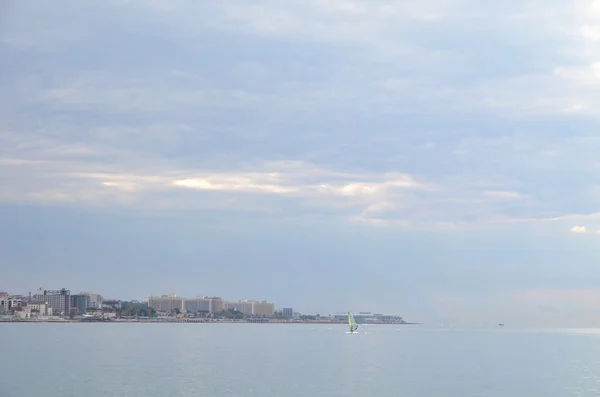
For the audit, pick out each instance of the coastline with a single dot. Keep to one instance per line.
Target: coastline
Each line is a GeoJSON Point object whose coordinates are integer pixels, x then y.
{"type": "Point", "coordinates": [189, 321]}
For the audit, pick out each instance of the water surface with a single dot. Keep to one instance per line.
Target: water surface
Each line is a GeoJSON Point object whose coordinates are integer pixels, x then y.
{"type": "Point", "coordinates": [127, 359]}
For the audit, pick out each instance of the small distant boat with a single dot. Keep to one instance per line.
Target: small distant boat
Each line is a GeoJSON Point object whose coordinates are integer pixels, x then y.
{"type": "Point", "coordinates": [501, 325]}
{"type": "Point", "coordinates": [352, 323]}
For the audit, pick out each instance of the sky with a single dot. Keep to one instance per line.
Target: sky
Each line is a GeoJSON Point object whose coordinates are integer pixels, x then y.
{"type": "Point", "coordinates": [434, 159]}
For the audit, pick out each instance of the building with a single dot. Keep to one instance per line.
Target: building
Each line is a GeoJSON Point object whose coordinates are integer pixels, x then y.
{"type": "Point", "coordinates": [263, 308]}
{"type": "Point", "coordinates": [111, 304]}
{"type": "Point", "coordinates": [38, 308]}
{"type": "Point", "coordinates": [204, 304]}
{"type": "Point", "coordinates": [371, 318]}
{"type": "Point", "coordinates": [81, 302]}
{"type": "Point", "coordinates": [166, 303]}
{"type": "Point", "coordinates": [195, 305]}
{"type": "Point", "coordinates": [97, 313]}
{"type": "Point", "coordinates": [209, 304]}
{"type": "Point", "coordinates": [95, 300]}
{"type": "Point", "coordinates": [134, 305]}
{"type": "Point", "coordinates": [287, 312]}
{"type": "Point", "coordinates": [243, 307]}
{"type": "Point", "coordinates": [8, 302]}
{"type": "Point", "coordinates": [59, 300]}
{"type": "Point", "coordinates": [252, 308]}
{"type": "Point", "coordinates": [217, 304]}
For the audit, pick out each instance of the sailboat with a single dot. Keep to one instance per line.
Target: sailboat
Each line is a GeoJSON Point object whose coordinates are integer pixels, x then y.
{"type": "Point", "coordinates": [352, 323]}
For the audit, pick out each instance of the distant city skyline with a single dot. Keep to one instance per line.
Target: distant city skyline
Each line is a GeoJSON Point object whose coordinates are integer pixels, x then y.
{"type": "Point", "coordinates": [436, 160]}
{"type": "Point", "coordinates": [41, 291]}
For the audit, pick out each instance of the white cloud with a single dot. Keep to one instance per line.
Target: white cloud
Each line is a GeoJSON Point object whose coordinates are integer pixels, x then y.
{"type": "Point", "coordinates": [579, 229]}
{"type": "Point", "coordinates": [391, 199]}
{"type": "Point", "coordinates": [582, 76]}
{"type": "Point", "coordinates": [584, 230]}
{"type": "Point", "coordinates": [297, 181]}
{"type": "Point", "coordinates": [500, 194]}
{"type": "Point", "coordinates": [241, 182]}
{"type": "Point", "coordinates": [590, 32]}
{"type": "Point", "coordinates": [128, 186]}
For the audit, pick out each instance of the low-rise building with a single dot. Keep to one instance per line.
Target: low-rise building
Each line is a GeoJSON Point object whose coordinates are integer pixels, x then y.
{"type": "Point", "coordinates": [106, 313]}
{"type": "Point", "coordinates": [9, 302]}
{"type": "Point", "coordinates": [371, 318]}
{"type": "Point", "coordinates": [112, 304]}
{"type": "Point", "coordinates": [38, 308]}
{"type": "Point", "coordinates": [134, 306]}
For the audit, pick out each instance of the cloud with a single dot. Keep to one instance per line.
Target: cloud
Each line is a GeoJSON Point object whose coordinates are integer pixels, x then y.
{"type": "Point", "coordinates": [303, 182]}
{"type": "Point", "coordinates": [501, 194]}
{"type": "Point", "coordinates": [584, 230]}
{"type": "Point", "coordinates": [387, 198]}
{"type": "Point", "coordinates": [579, 229]}
{"type": "Point", "coordinates": [244, 183]}
{"type": "Point", "coordinates": [387, 114]}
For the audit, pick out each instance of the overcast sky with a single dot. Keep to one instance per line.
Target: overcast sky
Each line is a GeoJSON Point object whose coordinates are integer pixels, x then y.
{"type": "Point", "coordinates": [438, 159]}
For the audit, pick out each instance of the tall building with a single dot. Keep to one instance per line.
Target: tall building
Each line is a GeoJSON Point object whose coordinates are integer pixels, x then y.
{"type": "Point", "coordinates": [81, 302]}
{"type": "Point", "coordinates": [263, 308]}
{"type": "Point", "coordinates": [58, 300]}
{"type": "Point", "coordinates": [166, 303]}
{"type": "Point", "coordinates": [204, 304]}
{"type": "Point", "coordinates": [192, 305]}
{"type": "Point", "coordinates": [256, 308]}
{"type": "Point", "coordinates": [95, 300]}
{"type": "Point", "coordinates": [217, 304]}
{"type": "Point", "coordinates": [287, 312]}
{"type": "Point", "coordinates": [243, 307]}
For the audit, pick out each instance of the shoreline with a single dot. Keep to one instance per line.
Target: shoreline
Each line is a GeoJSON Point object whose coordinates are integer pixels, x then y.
{"type": "Point", "coordinates": [187, 321]}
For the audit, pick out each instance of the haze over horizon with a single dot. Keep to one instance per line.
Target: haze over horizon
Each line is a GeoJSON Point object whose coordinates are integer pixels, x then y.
{"type": "Point", "coordinates": [434, 159]}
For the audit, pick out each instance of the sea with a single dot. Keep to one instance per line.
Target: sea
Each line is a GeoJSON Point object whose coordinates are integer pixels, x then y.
{"type": "Point", "coordinates": [263, 360]}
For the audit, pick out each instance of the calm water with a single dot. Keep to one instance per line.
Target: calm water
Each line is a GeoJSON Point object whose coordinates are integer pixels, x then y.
{"type": "Point", "coordinates": [294, 360]}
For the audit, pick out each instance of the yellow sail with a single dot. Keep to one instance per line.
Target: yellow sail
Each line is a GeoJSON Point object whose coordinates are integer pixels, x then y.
{"type": "Point", "coordinates": [352, 322]}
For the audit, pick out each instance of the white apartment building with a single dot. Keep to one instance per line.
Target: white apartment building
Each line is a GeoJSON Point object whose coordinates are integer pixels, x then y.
{"type": "Point", "coordinates": [263, 308]}
{"type": "Point", "coordinates": [42, 308]}
{"type": "Point", "coordinates": [209, 304]}
{"type": "Point", "coordinates": [249, 307]}
{"type": "Point", "coordinates": [205, 304]}
{"type": "Point", "coordinates": [166, 303]}
{"type": "Point", "coordinates": [7, 302]}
